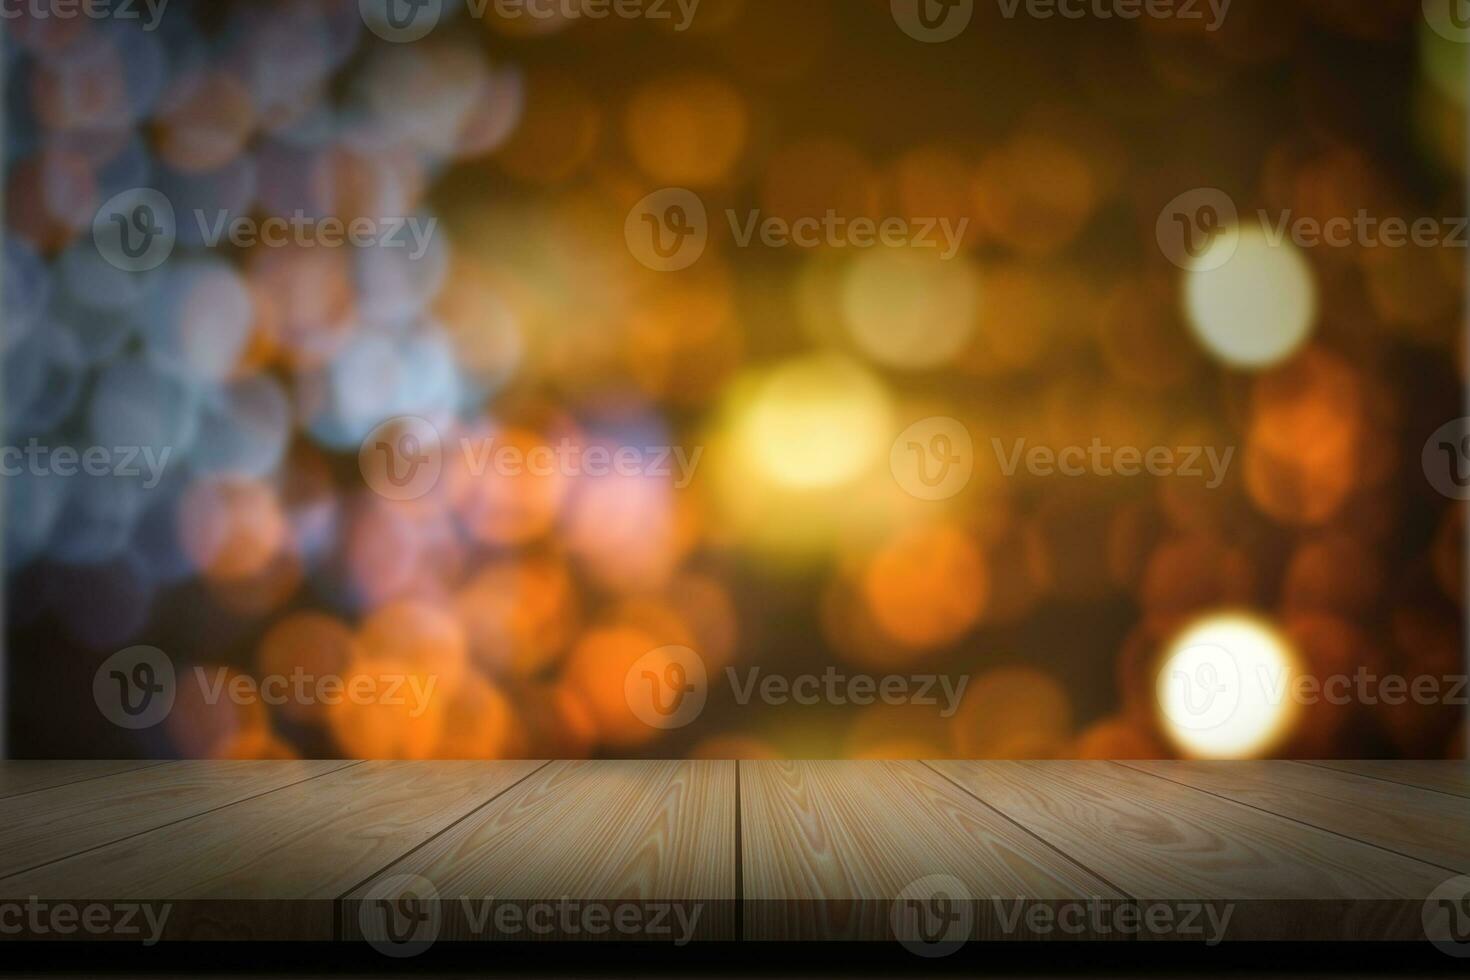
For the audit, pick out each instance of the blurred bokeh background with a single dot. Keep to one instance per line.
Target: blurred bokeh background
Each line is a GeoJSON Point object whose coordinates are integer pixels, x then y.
{"type": "Point", "coordinates": [528, 320]}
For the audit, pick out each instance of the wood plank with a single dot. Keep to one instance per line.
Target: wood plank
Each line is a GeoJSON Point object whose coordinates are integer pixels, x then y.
{"type": "Point", "coordinates": [1174, 847]}
{"type": "Point", "coordinates": [1432, 827]}
{"type": "Point", "coordinates": [1451, 776]}
{"type": "Point", "coordinates": [29, 775]}
{"type": "Point", "coordinates": [56, 823]}
{"type": "Point", "coordinates": [272, 867]}
{"type": "Point", "coordinates": [578, 851]}
{"type": "Point", "coordinates": [842, 850]}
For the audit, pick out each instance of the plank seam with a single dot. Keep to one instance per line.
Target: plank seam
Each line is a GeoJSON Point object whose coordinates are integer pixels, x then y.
{"type": "Point", "coordinates": [1026, 830]}
{"type": "Point", "coordinates": [337, 902]}
{"type": "Point", "coordinates": [1381, 779]}
{"type": "Point", "coordinates": [142, 764]}
{"type": "Point", "coordinates": [171, 823]}
{"type": "Point", "coordinates": [1284, 816]}
{"type": "Point", "coordinates": [739, 863]}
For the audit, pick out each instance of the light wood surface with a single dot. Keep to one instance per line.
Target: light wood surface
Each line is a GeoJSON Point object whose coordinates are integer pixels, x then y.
{"type": "Point", "coordinates": [61, 821]}
{"type": "Point", "coordinates": [1444, 777]}
{"type": "Point", "coordinates": [29, 776]}
{"type": "Point", "coordinates": [1161, 842]}
{"type": "Point", "coordinates": [645, 840]}
{"type": "Point", "coordinates": [1433, 827]}
{"type": "Point", "coordinates": [270, 866]}
{"type": "Point", "coordinates": [684, 851]}
{"type": "Point", "coordinates": [829, 846]}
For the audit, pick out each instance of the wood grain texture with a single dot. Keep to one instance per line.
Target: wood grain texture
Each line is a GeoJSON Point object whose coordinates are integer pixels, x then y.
{"type": "Point", "coordinates": [829, 847]}
{"type": "Point", "coordinates": [681, 851]}
{"type": "Point", "coordinates": [1442, 776]}
{"type": "Point", "coordinates": [28, 776]}
{"type": "Point", "coordinates": [583, 850]}
{"type": "Point", "coordinates": [55, 823]}
{"type": "Point", "coordinates": [1433, 827]}
{"type": "Point", "coordinates": [272, 867]}
{"type": "Point", "coordinates": [1164, 843]}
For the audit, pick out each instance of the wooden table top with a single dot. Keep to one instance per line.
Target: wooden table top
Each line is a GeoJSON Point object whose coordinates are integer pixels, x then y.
{"type": "Point", "coordinates": [925, 853]}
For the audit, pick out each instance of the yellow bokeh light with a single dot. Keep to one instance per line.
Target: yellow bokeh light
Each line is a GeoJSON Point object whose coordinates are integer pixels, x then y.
{"type": "Point", "coordinates": [1225, 688]}
{"type": "Point", "coordinates": [910, 309]}
{"type": "Point", "coordinates": [1255, 308]}
{"type": "Point", "coordinates": [815, 423]}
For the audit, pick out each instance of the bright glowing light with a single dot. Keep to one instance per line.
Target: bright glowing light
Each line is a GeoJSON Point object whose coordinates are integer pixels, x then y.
{"type": "Point", "coordinates": [1224, 689]}
{"type": "Point", "coordinates": [1258, 307]}
{"type": "Point", "coordinates": [815, 423]}
{"type": "Point", "coordinates": [909, 309]}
